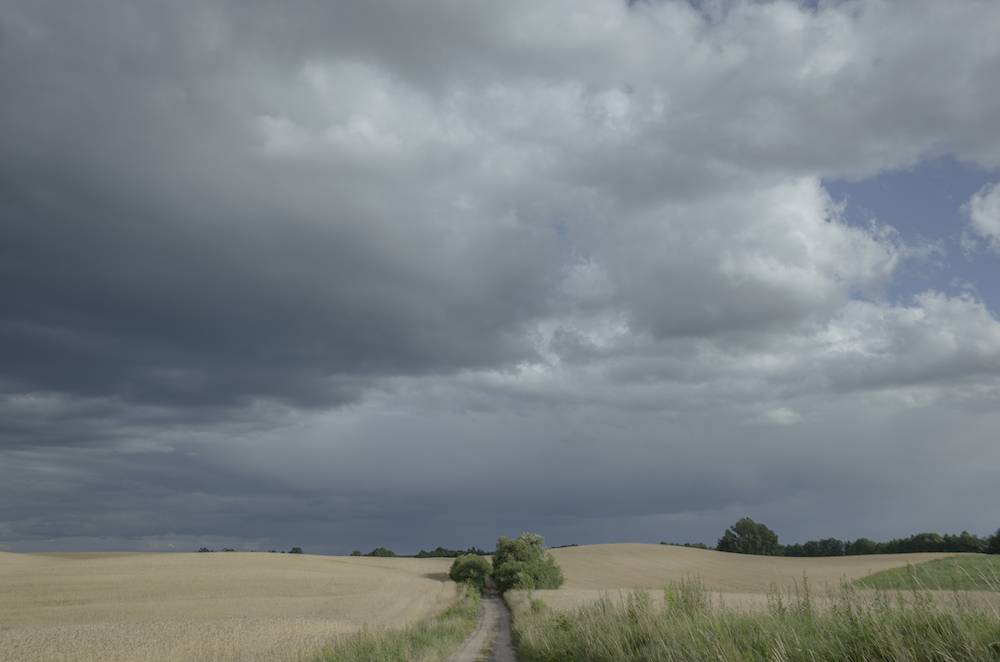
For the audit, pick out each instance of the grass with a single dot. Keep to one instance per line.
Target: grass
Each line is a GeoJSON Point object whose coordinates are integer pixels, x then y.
{"type": "Point", "coordinates": [969, 572]}
{"type": "Point", "coordinates": [429, 640]}
{"type": "Point", "coordinates": [851, 626]}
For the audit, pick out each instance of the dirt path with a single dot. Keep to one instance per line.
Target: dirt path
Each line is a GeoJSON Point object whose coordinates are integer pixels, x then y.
{"type": "Point", "coordinates": [490, 641]}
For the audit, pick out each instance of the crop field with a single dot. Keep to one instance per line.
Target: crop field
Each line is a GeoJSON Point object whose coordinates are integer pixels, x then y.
{"type": "Point", "coordinates": [737, 580]}
{"type": "Point", "coordinates": [219, 606]}
{"type": "Point", "coordinates": [643, 603]}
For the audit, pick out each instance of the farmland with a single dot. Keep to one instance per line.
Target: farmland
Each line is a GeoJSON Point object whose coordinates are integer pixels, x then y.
{"type": "Point", "coordinates": [649, 602]}
{"type": "Point", "coordinates": [222, 606]}
{"type": "Point", "coordinates": [595, 570]}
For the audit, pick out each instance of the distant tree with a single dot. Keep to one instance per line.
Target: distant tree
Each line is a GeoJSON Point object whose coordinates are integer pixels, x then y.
{"type": "Point", "coordinates": [382, 552]}
{"type": "Point", "coordinates": [470, 568]}
{"type": "Point", "coordinates": [695, 545]}
{"type": "Point", "coordinates": [824, 547]}
{"type": "Point", "coordinates": [356, 553]}
{"type": "Point", "coordinates": [993, 543]}
{"type": "Point", "coordinates": [204, 549]}
{"type": "Point", "coordinates": [749, 537]}
{"type": "Point", "coordinates": [295, 550]}
{"type": "Point", "coordinates": [965, 542]}
{"type": "Point", "coordinates": [522, 562]}
{"type": "Point", "coordinates": [861, 546]}
{"type": "Point", "coordinates": [228, 549]}
{"type": "Point", "coordinates": [444, 552]}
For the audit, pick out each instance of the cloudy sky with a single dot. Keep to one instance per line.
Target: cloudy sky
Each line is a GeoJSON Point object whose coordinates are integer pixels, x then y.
{"type": "Point", "coordinates": [347, 274]}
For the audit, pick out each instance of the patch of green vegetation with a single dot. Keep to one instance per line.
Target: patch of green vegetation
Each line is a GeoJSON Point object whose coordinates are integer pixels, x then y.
{"type": "Point", "coordinates": [470, 569]}
{"type": "Point", "coordinates": [430, 640]}
{"type": "Point", "coordinates": [522, 562]}
{"type": "Point", "coordinates": [969, 572]}
{"type": "Point", "coordinates": [688, 628]}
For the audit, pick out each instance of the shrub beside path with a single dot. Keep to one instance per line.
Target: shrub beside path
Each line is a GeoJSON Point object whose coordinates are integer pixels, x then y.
{"type": "Point", "coordinates": [490, 641]}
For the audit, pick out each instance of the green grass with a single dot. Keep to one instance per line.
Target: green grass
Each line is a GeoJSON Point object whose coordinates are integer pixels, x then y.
{"type": "Point", "coordinates": [430, 640]}
{"type": "Point", "coordinates": [968, 572]}
{"type": "Point", "coordinates": [851, 627]}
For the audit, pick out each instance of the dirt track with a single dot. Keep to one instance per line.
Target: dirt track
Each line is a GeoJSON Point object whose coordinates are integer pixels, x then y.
{"type": "Point", "coordinates": [490, 641]}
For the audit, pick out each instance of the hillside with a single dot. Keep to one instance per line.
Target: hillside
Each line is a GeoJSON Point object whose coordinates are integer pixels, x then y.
{"type": "Point", "coordinates": [221, 606]}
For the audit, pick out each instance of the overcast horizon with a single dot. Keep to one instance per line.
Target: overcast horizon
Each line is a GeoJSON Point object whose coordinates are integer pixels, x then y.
{"type": "Point", "coordinates": [355, 274]}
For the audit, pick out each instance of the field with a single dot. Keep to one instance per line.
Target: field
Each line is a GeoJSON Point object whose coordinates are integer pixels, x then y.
{"type": "Point", "coordinates": [662, 603]}
{"type": "Point", "coordinates": [969, 572]}
{"type": "Point", "coordinates": [738, 579]}
{"type": "Point", "coordinates": [219, 606]}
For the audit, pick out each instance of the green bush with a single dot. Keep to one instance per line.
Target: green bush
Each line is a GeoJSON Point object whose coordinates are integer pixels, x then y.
{"type": "Point", "coordinates": [381, 552]}
{"type": "Point", "coordinates": [522, 562]}
{"type": "Point", "coordinates": [471, 569]}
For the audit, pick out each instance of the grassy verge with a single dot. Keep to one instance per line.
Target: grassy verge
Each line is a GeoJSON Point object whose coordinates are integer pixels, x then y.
{"type": "Point", "coordinates": [850, 626]}
{"type": "Point", "coordinates": [429, 640]}
{"type": "Point", "coordinates": [969, 572]}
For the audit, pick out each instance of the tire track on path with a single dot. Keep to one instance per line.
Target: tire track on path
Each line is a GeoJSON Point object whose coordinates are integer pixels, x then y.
{"type": "Point", "coordinates": [490, 641]}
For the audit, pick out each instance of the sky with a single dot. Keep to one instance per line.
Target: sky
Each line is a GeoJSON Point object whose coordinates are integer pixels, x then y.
{"type": "Point", "coordinates": [341, 275]}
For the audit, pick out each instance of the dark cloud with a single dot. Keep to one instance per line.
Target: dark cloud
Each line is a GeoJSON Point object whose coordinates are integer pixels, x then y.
{"type": "Point", "coordinates": [349, 274]}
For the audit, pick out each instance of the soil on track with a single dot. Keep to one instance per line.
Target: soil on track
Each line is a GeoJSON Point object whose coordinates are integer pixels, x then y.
{"type": "Point", "coordinates": [490, 641]}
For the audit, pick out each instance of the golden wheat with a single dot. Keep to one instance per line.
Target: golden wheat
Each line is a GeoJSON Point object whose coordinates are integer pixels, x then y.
{"type": "Point", "coordinates": [735, 580]}
{"type": "Point", "coordinates": [221, 606]}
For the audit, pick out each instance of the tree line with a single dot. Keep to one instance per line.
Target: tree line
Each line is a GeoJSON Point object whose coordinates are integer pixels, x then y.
{"type": "Point", "coordinates": [749, 537]}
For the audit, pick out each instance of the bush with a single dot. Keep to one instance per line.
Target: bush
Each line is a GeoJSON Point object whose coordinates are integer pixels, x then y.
{"type": "Point", "coordinates": [524, 563]}
{"type": "Point", "coordinates": [381, 552]}
{"type": "Point", "coordinates": [471, 569]}
{"type": "Point", "coordinates": [295, 550]}
{"type": "Point", "coordinates": [357, 552]}
{"type": "Point", "coordinates": [749, 537]}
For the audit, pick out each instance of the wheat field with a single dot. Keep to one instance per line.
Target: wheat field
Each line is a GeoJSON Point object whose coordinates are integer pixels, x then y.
{"type": "Point", "coordinates": [741, 580]}
{"type": "Point", "coordinates": [219, 606]}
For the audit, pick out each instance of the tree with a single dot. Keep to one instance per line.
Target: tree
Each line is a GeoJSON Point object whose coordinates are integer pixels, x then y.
{"type": "Point", "coordinates": [862, 546]}
{"type": "Point", "coordinates": [295, 550]}
{"type": "Point", "coordinates": [470, 568]}
{"type": "Point", "coordinates": [993, 543]}
{"type": "Point", "coordinates": [749, 537]}
{"type": "Point", "coordinates": [356, 552]}
{"type": "Point", "coordinates": [524, 563]}
{"type": "Point", "coordinates": [381, 551]}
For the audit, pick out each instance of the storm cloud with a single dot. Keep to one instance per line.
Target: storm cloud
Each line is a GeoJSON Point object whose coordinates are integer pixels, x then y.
{"type": "Point", "coordinates": [362, 273]}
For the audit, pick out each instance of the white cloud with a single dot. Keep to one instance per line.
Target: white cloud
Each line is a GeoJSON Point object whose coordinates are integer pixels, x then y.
{"type": "Point", "coordinates": [983, 209]}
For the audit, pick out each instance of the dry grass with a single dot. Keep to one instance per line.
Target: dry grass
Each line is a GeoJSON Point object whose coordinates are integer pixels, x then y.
{"type": "Point", "coordinates": [222, 606]}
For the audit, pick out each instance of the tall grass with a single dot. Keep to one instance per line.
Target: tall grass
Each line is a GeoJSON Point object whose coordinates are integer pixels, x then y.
{"type": "Point", "coordinates": [846, 626]}
{"type": "Point", "coordinates": [429, 640]}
